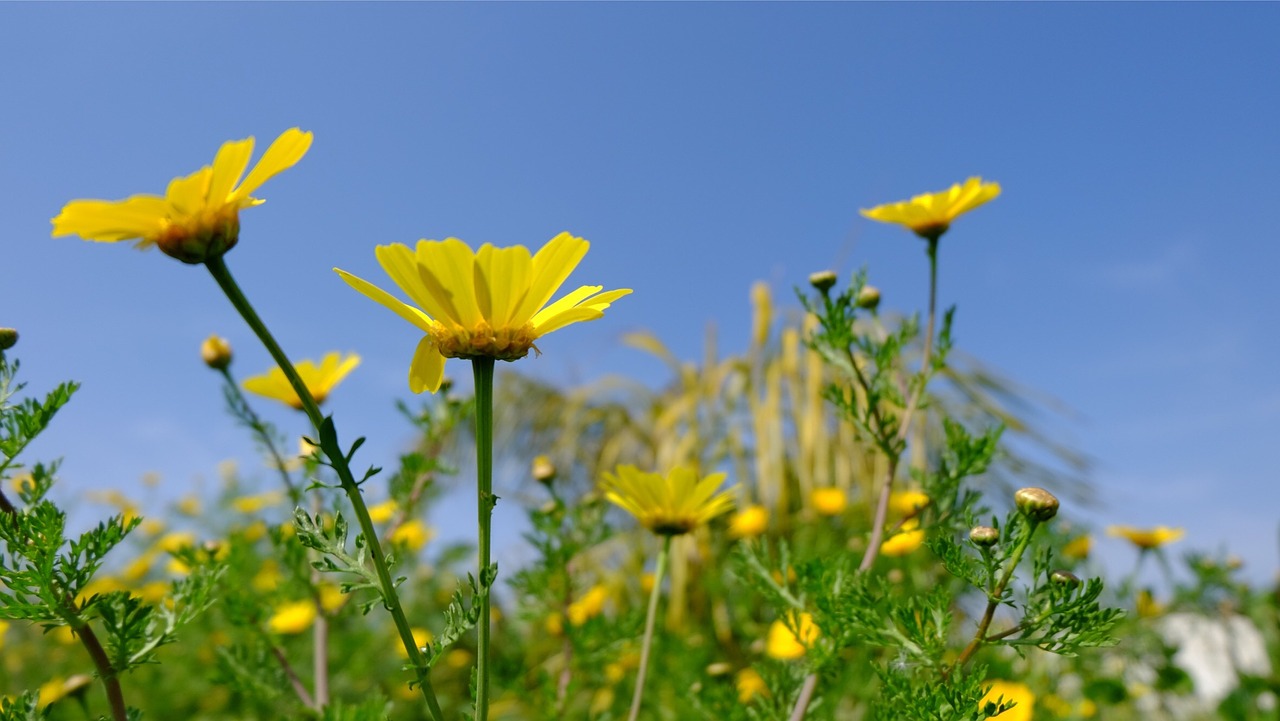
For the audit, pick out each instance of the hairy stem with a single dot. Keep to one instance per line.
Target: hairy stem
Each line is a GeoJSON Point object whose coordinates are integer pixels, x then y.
{"type": "Point", "coordinates": [650, 620]}
{"type": "Point", "coordinates": [218, 269]}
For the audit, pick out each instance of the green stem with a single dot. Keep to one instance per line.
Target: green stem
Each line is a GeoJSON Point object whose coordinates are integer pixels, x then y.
{"type": "Point", "coordinates": [245, 411]}
{"type": "Point", "coordinates": [649, 621]}
{"type": "Point", "coordinates": [993, 600]}
{"type": "Point", "coordinates": [218, 269]}
{"type": "Point", "coordinates": [485, 501]}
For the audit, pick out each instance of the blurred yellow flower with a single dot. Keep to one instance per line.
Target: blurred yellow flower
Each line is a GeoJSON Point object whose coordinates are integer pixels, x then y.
{"type": "Point", "coordinates": [905, 503]}
{"type": "Point", "coordinates": [1147, 606]}
{"type": "Point", "coordinates": [903, 543]}
{"type": "Point", "coordinates": [421, 637]}
{"type": "Point", "coordinates": [382, 512]}
{"type": "Point", "coordinates": [198, 218]}
{"type": "Point", "coordinates": [1147, 538]}
{"type": "Point", "coordinates": [293, 617]}
{"type": "Point", "coordinates": [458, 658]}
{"type": "Point", "coordinates": [590, 605]}
{"type": "Point", "coordinates": [929, 215]}
{"type": "Point", "coordinates": [253, 504]}
{"type": "Point", "coordinates": [490, 303]}
{"type": "Point", "coordinates": [750, 685]}
{"type": "Point", "coordinates": [669, 506]}
{"type": "Point", "coordinates": [268, 576]}
{"type": "Point", "coordinates": [331, 597]}
{"type": "Point", "coordinates": [52, 691]}
{"type": "Point", "coordinates": [189, 506]}
{"type": "Point", "coordinates": [215, 351]}
{"type": "Point", "coordinates": [1019, 693]}
{"type": "Point", "coordinates": [1077, 549]}
{"type": "Point", "coordinates": [22, 482]}
{"type": "Point", "coordinates": [784, 644]}
{"type": "Point", "coordinates": [554, 624]}
{"type": "Point", "coordinates": [412, 534]}
{"type": "Point", "coordinates": [320, 380]}
{"type": "Point", "coordinates": [749, 522]}
{"type": "Point", "coordinates": [175, 540]}
{"type": "Point", "coordinates": [829, 501]}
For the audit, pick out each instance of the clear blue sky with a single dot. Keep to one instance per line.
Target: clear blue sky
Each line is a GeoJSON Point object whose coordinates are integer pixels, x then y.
{"type": "Point", "coordinates": [1126, 269]}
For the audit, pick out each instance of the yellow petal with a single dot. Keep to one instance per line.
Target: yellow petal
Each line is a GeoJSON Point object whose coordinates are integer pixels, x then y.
{"type": "Point", "coordinates": [109, 221]}
{"type": "Point", "coordinates": [576, 307]}
{"type": "Point", "coordinates": [385, 299]}
{"type": "Point", "coordinates": [400, 263]}
{"type": "Point", "coordinates": [551, 265]}
{"type": "Point", "coordinates": [187, 195]}
{"type": "Point", "coordinates": [502, 282]}
{"type": "Point", "coordinates": [283, 154]}
{"type": "Point", "coordinates": [427, 369]}
{"type": "Point", "coordinates": [447, 269]}
{"type": "Point", "coordinates": [228, 166]}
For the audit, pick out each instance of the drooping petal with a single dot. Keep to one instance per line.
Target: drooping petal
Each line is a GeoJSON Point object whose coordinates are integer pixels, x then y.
{"type": "Point", "coordinates": [551, 266]}
{"type": "Point", "coordinates": [228, 167]}
{"type": "Point", "coordinates": [502, 282]}
{"type": "Point", "coordinates": [110, 221]}
{"type": "Point", "coordinates": [447, 269]}
{"type": "Point", "coordinates": [385, 299]}
{"type": "Point", "coordinates": [283, 154]}
{"type": "Point", "coordinates": [426, 372]}
{"type": "Point", "coordinates": [186, 195]}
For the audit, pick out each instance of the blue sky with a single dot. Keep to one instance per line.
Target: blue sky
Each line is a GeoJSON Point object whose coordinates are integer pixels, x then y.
{"type": "Point", "coordinates": [1126, 269]}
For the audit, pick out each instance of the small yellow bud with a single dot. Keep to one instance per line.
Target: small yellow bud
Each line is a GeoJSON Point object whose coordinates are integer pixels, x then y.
{"type": "Point", "coordinates": [216, 352]}
{"type": "Point", "coordinates": [823, 280]}
{"type": "Point", "coordinates": [984, 536]}
{"type": "Point", "coordinates": [1036, 504]}
{"type": "Point", "coordinates": [8, 338]}
{"type": "Point", "coordinates": [544, 471]}
{"type": "Point", "coordinates": [868, 298]}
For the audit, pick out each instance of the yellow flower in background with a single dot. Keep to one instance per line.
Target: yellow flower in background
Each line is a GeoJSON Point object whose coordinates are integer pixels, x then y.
{"type": "Point", "coordinates": [421, 637]}
{"type": "Point", "coordinates": [490, 303]}
{"type": "Point", "coordinates": [320, 380]}
{"type": "Point", "coordinates": [589, 606]}
{"type": "Point", "coordinates": [906, 503]}
{"type": "Point", "coordinates": [332, 598]}
{"type": "Point", "coordinates": [198, 218]}
{"type": "Point", "coordinates": [785, 644]}
{"type": "Point", "coordinates": [1147, 606]}
{"type": "Point", "coordinates": [749, 522]}
{"type": "Point", "coordinates": [929, 215]}
{"type": "Point", "coordinates": [189, 506]}
{"type": "Point", "coordinates": [750, 684]}
{"type": "Point", "coordinates": [253, 504]}
{"type": "Point", "coordinates": [904, 542]}
{"type": "Point", "coordinates": [412, 534]}
{"type": "Point", "coordinates": [1147, 538]}
{"type": "Point", "coordinates": [293, 617]}
{"type": "Point", "coordinates": [382, 512]}
{"type": "Point", "coordinates": [829, 501]}
{"type": "Point", "coordinates": [22, 482]}
{"type": "Point", "coordinates": [268, 576]}
{"type": "Point", "coordinates": [1019, 693]}
{"type": "Point", "coordinates": [554, 624]}
{"type": "Point", "coordinates": [669, 505]}
{"type": "Point", "coordinates": [1077, 549]}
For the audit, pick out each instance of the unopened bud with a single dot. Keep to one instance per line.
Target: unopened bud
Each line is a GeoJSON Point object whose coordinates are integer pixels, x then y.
{"type": "Point", "coordinates": [8, 338]}
{"type": "Point", "coordinates": [822, 280]}
{"type": "Point", "coordinates": [1036, 503]}
{"type": "Point", "coordinates": [216, 352]}
{"type": "Point", "coordinates": [984, 536]}
{"type": "Point", "coordinates": [544, 471]}
{"type": "Point", "coordinates": [1065, 578]}
{"type": "Point", "coordinates": [868, 297]}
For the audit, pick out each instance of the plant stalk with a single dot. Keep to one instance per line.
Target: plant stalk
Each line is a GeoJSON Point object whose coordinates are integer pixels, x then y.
{"type": "Point", "coordinates": [482, 369]}
{"type": "Point", "coordinates": [650, 620]}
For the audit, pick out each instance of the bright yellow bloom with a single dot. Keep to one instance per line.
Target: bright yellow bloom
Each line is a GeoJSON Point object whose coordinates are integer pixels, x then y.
{"type": "Point", "coordinates": [421, 637]}
{"type": "Point", "coordinates": [750, 684]}
{"type": "Point", "coordinates": [829, 501]}
{"type": "Point", "coordinates": [1147, 538]}
{"type": "Point", "coordinates": [929, 215]}
{"type": "Point", "coordinates": [320, 380]}
{"type": "Point", "coordinates": [589, 606]}
{"type": "Point", "coordinates": [1077, 549]}
{"type": "Point", "coordinates": [1019, 693]}
{"type": "Point", "coordinates": [253, 504]}
{"type": "Point", "coordinates": [383, 512]}
{"type": "Point", "coordinates": [490, 303]}
{"type": "Point", "coordinates": [749, 522]}
{"type": "Point", "coordinates": [198, 218]}
{"type": "Point", "coordinates": [293, 617]}
{"type": "Point", "coordinates": [669, 506]}
{"type": "Point", "coordinates": [905, 503]}
{"type": "Point", "coordinates": [903, 543]}
{"type": "Point", "coordinates": [412, 534]}
{"type": "Point", "coordinates": [785, 644]}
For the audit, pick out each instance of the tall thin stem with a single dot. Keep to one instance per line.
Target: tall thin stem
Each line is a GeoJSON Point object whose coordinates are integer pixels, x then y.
{"type": "Point", "coordinates": [649, 621]}
{"type": "Point", "coordinates": [218, 269]}
{"type": "Point", "coordinates": [993, 600]}
{"type": "Point", "coordinates": [485, 501]}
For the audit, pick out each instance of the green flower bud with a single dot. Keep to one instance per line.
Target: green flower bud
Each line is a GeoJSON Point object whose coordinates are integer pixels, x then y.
{"type": "Point", "coordinates": [8, 338]}
{"type": "Point", "coordinates": [868, 298]}
{"type": "Point", "coordinates": [984, 536]}
{"type": "Point", "coordinates": [823, 280]}
{"type": "Point", "coordinates": [1065, 578]}
{"type": "Point", "coordinates": [1036, 504]}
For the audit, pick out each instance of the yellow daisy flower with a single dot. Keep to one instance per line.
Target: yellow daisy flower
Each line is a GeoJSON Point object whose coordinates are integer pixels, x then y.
{"type": "Point", "coordinates": [785, 644]}
{"type": "Point", "coordinates": [749, 522]}
{"type": "Point", "coordinates": [490, 303]}
{"type": "Point", "coordinates": [198, 218]}
{"type": "Point", "coordinates": [929, 215]}
{"type": "Point", "coordinates": [1147, 538]}
{"type": "Point", "coordinates": [293, 617]}
{"type": "Point", "coordinates": [671, 505]}
{"type": "Point", "coordinates": [1077, 549]}
{"type": "Point", "coordinates": [319, 379]}
{"type": "Point", "coordinates": [903, 543]}
{"type": "Point", "coordinates": [413, 535]}
{"type": "Point", "coordinates": [1019, 693]}
{"type": "Point", "coordinates": [829, 501]}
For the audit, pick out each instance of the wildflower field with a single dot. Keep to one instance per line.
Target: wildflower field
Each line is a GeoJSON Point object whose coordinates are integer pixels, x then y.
{"type": "Point", "coordinates": [828, 523]}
